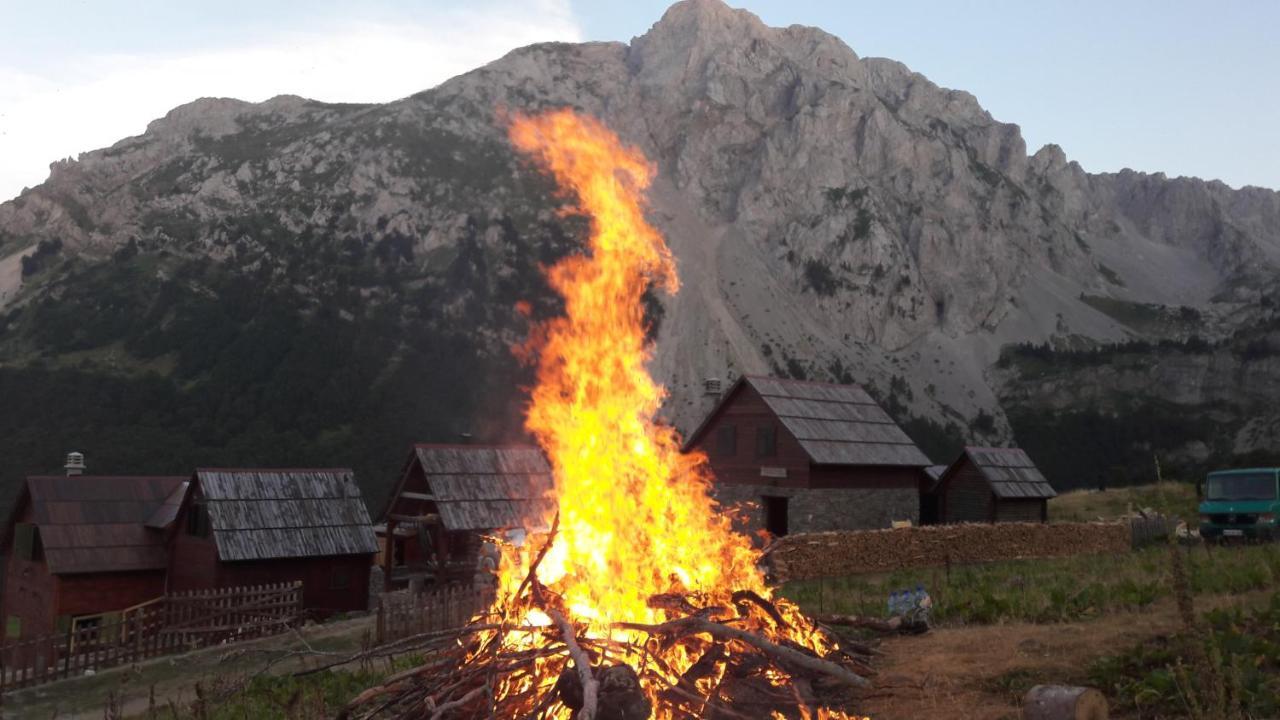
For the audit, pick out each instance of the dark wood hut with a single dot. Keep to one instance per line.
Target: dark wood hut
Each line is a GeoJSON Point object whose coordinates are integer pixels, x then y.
{"type": "Point", "coordinates": [252, 527]}
{"type": "Point", "coordinates": [447, 497]}
{"type": "Point", "coordinates": [993, 485]}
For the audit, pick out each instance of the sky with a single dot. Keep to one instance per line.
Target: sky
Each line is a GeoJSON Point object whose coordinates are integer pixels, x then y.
{"type": "Point", "coordinates": [1186, 88]}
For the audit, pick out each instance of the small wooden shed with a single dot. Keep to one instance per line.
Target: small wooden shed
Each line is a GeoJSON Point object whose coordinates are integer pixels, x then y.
{"type": "Point", "coordinates": [80, 546]}
{"type": "Point", "coordinates": [252, 527]}
{"type": "Point", "coordinates": [448, 496]}
{"type": "Point", "coordinates": [993, 485]}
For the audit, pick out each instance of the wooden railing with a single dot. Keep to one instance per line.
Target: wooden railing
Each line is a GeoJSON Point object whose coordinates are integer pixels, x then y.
{"type": "Point", "coordinates": [404, 613]}
{"type": "Point", "coordinates": [175, 623]}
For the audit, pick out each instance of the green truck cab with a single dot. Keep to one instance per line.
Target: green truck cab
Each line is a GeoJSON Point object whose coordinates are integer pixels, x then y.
{"type": "Point", "coordinates": [1241, 504]}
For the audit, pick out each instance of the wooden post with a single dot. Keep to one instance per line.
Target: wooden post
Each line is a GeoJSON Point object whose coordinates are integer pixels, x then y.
{"type": "Point", "coordinates": [1062, 702]}
{"type": "Point", "coordinates": [388, 555]}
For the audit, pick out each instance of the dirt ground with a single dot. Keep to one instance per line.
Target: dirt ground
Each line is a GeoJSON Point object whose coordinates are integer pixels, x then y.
{"type": "Point", "coordinates": [956, 673]}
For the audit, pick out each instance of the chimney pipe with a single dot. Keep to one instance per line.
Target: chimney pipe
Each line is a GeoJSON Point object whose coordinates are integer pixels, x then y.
{"type": "Point", "coordinates": [75, 464]}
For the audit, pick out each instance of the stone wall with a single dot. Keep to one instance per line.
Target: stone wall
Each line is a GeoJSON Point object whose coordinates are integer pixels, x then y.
{"type": "Point", "coordinates": [833, 554]}
{"type": "Point", "coordinates": [824, 509]}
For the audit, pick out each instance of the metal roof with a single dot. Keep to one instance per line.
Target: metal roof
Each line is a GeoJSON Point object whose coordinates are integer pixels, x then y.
{"type": "Point", "coordinates": [484, 488]}
{"type": "Point", "coordinates": [1010, 472]}
{"type": "Point", "coordinates": [267, 514]}
{"type": "Point", "coordinates": [168, 510]}
{"type": "Point", "coordinates": [838, 424]}
{"type": "Point", "coordinates": [97, 524]}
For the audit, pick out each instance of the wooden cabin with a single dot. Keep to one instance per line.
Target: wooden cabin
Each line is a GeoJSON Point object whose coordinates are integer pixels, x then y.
{"type": "Point", "coordinates": [993, 485]}
{"type": "Point", "coordinates": [447, 497]}
{"type": "Point", "coordinates": [252, 527]}
{"type": "Point", "coordinates": [81, 546]}
{"type": "Point", "coordinates": [929, 510]}
{"type": "Point", "coordinates": [808, 457]}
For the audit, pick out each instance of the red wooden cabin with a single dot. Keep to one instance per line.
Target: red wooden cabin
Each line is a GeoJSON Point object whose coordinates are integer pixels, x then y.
{"type": "Point", "coordinates": [809, 457]}
{"type": "Point", "coordinates": [83, 545]}
{"type": "Point", "coordinates": [250, 527]}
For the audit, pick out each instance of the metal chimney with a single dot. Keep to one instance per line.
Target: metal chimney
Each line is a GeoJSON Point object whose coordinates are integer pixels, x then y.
{"type": "Point", "coordinates": [75, 464]}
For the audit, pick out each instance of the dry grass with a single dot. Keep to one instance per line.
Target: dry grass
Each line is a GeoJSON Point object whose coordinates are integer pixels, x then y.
{"type": "Point", "coordinates": [1170, 498]}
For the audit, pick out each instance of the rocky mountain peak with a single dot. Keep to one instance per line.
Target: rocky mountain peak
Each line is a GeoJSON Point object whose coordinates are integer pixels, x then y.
{"type": "Point", "coordinates": [833, 217]}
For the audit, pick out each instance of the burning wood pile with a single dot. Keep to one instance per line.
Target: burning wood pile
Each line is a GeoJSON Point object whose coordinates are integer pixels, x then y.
{"type": "Point", "coordinates": [642, 601]}
{"type": "Point", "coordinates": [748, 658]}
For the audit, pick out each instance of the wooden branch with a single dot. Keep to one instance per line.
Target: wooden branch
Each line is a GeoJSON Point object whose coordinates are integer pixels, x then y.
{"type": "Point", "coordinates": [724, 632]}
{"type": "Point", "coordinates": [747, 596]}
{"type": "Point", "coordinates": [590, 688]}
{"type": "Point", "coordinates": [881, 626]}
{"type": "Point", "coordinates": [446, 707]}
{"type": "Point", "coordinates": [532, 575]}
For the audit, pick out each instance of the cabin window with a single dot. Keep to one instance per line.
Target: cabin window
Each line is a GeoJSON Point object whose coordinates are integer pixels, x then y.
{"type": "Point", "coordinates": [198, 520]}
{"type": "Point", "coordinates": [727, 441]}
{"type": "Point", "coordinates": [766, 441]}
{"type": "Point", "coordinates": [775, 515]}
{"type": "Point", "coordinates": [340, 577]}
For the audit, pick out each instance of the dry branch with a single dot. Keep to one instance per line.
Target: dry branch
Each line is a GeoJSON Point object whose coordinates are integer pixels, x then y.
{"type": "Point", "coordinates": [590, 689]}
{"type": "Point", "coordinates": [782, 654]}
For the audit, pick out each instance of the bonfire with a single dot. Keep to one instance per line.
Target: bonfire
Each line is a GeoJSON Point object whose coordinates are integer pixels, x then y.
{"type": "Point", "coordinates": [641, 601]}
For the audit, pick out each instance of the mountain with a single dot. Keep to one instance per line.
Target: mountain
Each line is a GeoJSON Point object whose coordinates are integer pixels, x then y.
{"type": "Point", "coordinates": [294, 282]}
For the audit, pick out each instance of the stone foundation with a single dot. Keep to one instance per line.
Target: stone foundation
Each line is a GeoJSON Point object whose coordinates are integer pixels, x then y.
{"type": "Point", "coordinates": [821, 510]}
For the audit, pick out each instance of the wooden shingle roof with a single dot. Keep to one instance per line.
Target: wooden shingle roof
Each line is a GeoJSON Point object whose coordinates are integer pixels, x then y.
{"type": "Point", "coordinates": [1010, 472]}
{"type": "Point", "coordinates": [835, 424]}
{"type": "Point", "coordinates": [484, 488]}
{"type": "Point", "coordinates": [268, 514]}
{"type": "Point", "coordinates": [98, 524]}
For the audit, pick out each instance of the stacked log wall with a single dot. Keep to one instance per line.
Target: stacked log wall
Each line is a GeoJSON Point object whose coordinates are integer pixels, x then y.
{"type": "Point", "coordinates": [833, 554]}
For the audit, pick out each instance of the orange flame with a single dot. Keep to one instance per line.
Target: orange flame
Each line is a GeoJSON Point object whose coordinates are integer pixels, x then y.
{"type": "Point", "coordinates": [636, 516]}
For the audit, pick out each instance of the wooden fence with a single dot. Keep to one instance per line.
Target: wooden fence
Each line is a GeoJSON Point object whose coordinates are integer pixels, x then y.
{"type": "Point", "coordinates": [404, 613]}
{"type": "Point", "coordinates": [175, 623]}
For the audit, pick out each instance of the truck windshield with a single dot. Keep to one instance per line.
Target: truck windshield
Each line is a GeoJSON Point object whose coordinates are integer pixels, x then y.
{"type": "Point", "coordinates": [1247, 486]}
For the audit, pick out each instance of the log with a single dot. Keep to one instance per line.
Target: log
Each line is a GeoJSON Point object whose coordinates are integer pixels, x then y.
{"type": "Point", "coordinates": [590, 687]}
{"type": "Point", "coordinates": [892, 625]}
{"type": "Point", "coordinates": [784, 655]}
{"type": "Point", "coordinates": [1063, 702]}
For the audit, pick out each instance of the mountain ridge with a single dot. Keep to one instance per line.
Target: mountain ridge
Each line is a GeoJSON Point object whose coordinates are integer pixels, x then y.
{"type": "Point", "coordinates": [833, 217]}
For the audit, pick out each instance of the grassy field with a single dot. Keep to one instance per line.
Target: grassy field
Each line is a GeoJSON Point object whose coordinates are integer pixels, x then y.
{"type": "Point", "coordinates": [1161, 678]}
{"type": "Point", "coordinates": [1169, 498]}
{"type": "Point", "coordinates": [1046, 590]}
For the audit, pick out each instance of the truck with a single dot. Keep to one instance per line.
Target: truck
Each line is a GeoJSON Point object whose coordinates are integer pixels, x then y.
{"type": "Point", "coordinates": [1240, 504]}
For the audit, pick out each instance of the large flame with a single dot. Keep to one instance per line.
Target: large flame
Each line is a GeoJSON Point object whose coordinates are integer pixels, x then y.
{"type": "Point", "coordinates": [636, 518]}
{"type": "Point", "coordinates": [635, 514]}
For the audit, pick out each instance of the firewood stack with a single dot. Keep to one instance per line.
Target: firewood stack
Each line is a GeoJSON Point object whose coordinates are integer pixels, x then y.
{"type": "Point", "coordinates": [749, 657]}
{"type": "Point", "coordinates": [831, 554]}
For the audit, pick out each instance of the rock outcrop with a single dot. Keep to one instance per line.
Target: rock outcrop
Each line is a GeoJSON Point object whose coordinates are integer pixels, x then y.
{"type": "Point", "coordinates": [833, 216]}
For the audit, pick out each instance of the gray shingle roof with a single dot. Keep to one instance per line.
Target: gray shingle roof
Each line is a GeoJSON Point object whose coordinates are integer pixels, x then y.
{"type": "Point", "coordinates": [265, 514]}
{"type": "Point", "coordinates": [483, 488]}
{"type": "Point", "coordinates": [1011, 473]}
{"type": "Point", "coordinates": [838, 424]}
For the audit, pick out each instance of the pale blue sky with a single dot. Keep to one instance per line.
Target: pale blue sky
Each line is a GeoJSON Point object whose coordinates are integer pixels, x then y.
{"type": "Point", "coordinates": [1188, 88]}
